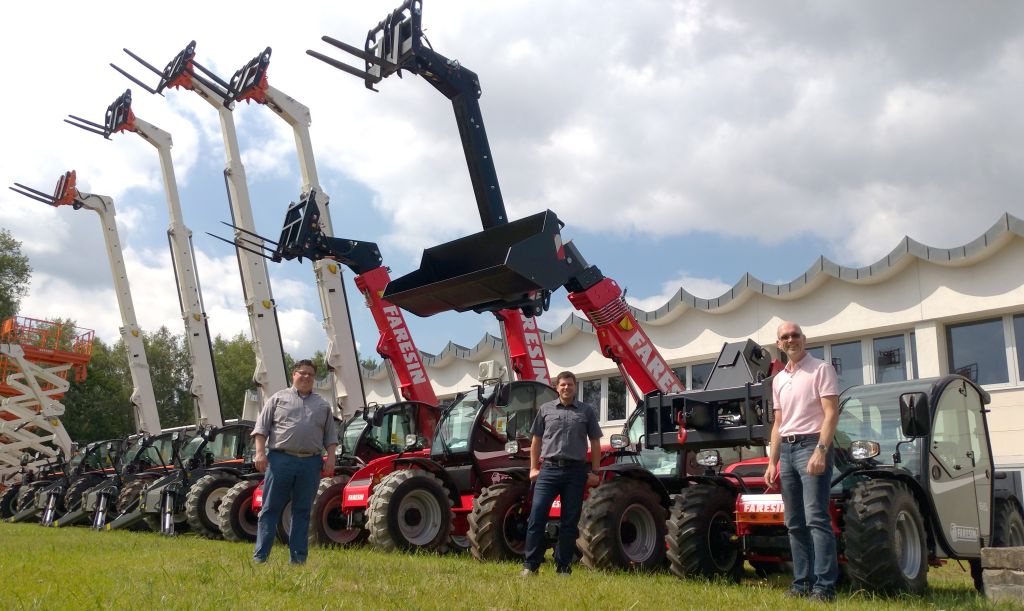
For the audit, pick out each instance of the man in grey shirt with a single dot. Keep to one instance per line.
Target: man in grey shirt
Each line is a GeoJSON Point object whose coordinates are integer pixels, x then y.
{"type": "Point", "coordinates": [292, 432]}
{"type": "Point", "coordinates": [560, 432]}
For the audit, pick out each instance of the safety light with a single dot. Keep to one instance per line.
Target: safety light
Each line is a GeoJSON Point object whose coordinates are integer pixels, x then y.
{"type": "Point", "coordinates": [709, 458]}
{"type": "Point", "coordinates": [863, 450]}
{"type": "Point", "coordinates": [619, 441]}
{"type": "Point", "coordinates": [512, 447]}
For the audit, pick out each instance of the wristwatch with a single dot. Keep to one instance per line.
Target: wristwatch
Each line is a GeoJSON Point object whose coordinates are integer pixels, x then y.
{"type": "Point", "coordinates": [821, 446]}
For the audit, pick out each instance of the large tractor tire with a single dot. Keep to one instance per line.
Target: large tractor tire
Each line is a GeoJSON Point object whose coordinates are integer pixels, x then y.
{"type": "Point", "coordinates": [8, 498]}
{"type": "Point", "coordinates": [497, 524]}
{"type": "Point", "coordinates": [1007, 525]}
{"type": "Point", "coordinates": [886, 545]}
{"type": "Point", "coordinates": [284, 526]}
{"type": "Point", "coordinates": [129, 494]}
{"type": "Point", "coordinates": [623, 527]}
{"type": "Point", "coordinates": [328, 526]}
{"type": "Point", "coordinates": [75, 493]}
{"type": "Point", "coordinates": [701, 527]}
{"type": "Point", "coordinates": [410, 509]}
{"type": "Point", "coordinates": [202, 503]}
{"type": "Point", "coordinates": [26, 496]}
{"type": "Point", "coordinates": [238, 522]}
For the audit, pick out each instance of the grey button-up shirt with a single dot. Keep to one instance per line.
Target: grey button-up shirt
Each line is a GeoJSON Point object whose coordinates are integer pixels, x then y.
{"type": "Point", "coordinates": [295, 423]}
{"type": "Point", "coordinates": [565, 430]}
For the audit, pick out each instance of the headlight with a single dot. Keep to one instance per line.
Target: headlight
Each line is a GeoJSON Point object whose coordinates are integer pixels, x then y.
{"type": "Point", "coordinates": [512, 447]}
{"type": "Point", "coordinates": [709, 458]}
{"type": "Point", "coordinates": [863, 450]}
{"type": "Point", "coordinates": [619, 441]}
{"type": "Point", "coordinates": [411, 439]}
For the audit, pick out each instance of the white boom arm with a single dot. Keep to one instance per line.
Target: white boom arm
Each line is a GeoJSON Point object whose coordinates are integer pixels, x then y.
{"type": "Point", "coordinates": [341, 346]}
{"type": "Point", "coordinates": [270, 375]}
{"type": "Point", "coordinates": [147, 419]}
{"type": "Point", "coordinates": [197, 334]}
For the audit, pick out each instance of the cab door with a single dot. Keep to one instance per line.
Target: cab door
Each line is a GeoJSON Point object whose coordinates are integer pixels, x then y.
{"type": "Point", "coordinates": [957, 473]}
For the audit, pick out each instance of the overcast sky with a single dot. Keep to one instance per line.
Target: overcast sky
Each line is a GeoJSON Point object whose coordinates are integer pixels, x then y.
{"type": "Point", "coordinates": [683, 143]}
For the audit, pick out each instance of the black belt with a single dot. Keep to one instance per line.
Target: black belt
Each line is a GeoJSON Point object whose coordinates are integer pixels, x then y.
{"type": "Point", "coordinates": [563, 463]}
{"type": "Point", "coordinates": [799, 438]}
{"type": "Point", "coordinates": [298, 454]}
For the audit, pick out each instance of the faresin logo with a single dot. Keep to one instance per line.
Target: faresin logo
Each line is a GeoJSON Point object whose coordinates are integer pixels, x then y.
{"type": "Point", "coordinates": [962, 533]}
{"type": "Point", "coordinates": [653, 362]}
{"type": "Point", "coordinates": [534, 349]}
{"type": "Point", "coordinates": [410, 356]}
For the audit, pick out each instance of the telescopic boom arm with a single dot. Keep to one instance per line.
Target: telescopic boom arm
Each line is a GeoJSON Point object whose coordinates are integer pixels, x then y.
{"type": "Point", "coordinates": [147, 418]}
{"type": "Point", "coordinates": [120, 118]}
{"type": "Point", "coordinates": [508, 265]}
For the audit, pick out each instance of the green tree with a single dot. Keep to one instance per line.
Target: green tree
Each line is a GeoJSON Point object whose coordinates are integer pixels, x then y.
{"type": "Point", "coordinates": [99, 407]}
{"type": "Point", "coordinates": [171, 375]}
{"type": "Point", "coordinates": [236, 362]}
{"type": "Point", "coordinates": [14, 274]}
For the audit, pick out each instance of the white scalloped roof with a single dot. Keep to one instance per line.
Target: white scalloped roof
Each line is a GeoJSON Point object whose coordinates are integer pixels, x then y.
{"type": "Point", "coordinates": [906, 252]}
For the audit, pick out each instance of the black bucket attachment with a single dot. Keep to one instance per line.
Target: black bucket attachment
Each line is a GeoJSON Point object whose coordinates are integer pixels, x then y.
{"type": "Point", "coordinates": [501, 267]}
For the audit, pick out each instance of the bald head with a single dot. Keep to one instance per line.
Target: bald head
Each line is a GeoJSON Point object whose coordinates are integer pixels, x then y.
{"type": "Point", "coordinates": [790, 339]}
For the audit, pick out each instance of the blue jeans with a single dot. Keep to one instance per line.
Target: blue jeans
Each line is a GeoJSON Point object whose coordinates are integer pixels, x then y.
{"type": "Point", "coordinates": [553, 481]}
{"type": "Point", "coordinates": [811, 539]}
{"type": "Point", "coordinates": [288, 478]}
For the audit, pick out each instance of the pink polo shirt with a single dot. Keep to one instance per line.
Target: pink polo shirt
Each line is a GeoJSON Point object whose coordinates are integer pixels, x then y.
{"type": "Point", "coordinates": [797, 391]}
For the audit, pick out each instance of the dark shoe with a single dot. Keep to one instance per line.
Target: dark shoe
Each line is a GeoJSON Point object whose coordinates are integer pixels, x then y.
{"type": "Point", "coordinates": [564, 571]}
{"type": "Point", "coordinates": [258, 560]}
{"type": "Point", "coordinates": [528, 572]}
{"type": "Point", "coordinates": [796, 593]}
{"type": "Point", "coordinates": [822, 596]}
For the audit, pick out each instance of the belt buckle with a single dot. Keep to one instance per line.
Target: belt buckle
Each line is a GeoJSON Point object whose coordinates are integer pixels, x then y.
{"type": "Point", "coordinates": [790, 438]}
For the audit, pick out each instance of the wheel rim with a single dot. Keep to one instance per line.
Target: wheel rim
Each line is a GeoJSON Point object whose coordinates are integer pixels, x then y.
{"type": "Point", "coordinates": [721, 549]}
{"type": "Point", "coordinates": [638, 533]}
{"type": "Point", "coordinates": [248, 521]}
{"type": "Point", "coordinates": [513, 527]}
{"type": "Point", "coordinates": [334, 523]}
{"type": "Point", "coordinates": [212, 504]}
{"type": "Point", "coordinates": [907, 541]}
{"type": "Point", "coordinates": [419, 517]}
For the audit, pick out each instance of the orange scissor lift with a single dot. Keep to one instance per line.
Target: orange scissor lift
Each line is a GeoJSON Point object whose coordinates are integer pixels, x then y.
{"type": "Point", "coordinates": [38, 361]}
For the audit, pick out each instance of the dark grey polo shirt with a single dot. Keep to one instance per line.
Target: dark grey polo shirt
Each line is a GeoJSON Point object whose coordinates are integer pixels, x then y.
{"type": "Point", "coordinates": [297, 424]}
{"type": "Point", "coordinates": [565, 430]}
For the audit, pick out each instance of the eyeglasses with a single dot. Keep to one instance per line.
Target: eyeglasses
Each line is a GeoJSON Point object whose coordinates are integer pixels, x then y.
{"type": "Point", "coordinates": [304, 374]}
{"type": "Point", "coordinates": [789, 336]}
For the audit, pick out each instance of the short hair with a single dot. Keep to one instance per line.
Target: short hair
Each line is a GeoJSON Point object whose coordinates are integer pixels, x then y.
{"type": "Point", "coordinates": [564, 375]}
{"type": "Point", "coordinates": [304, 362]}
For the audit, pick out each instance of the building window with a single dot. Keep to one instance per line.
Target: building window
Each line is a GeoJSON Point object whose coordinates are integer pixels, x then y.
{"type": "Point", "coordinates": [700, 373]}
{"type": "Point", "coordinates": [890, 359]}
{"type": "Point", "coordinates": [847, 360]}
{"type": "Point", "coordinates": [590, 393]}
{"type": "Point", "coordinates": [618, 399]}
{"type": "Point", "coordinates": [817, 352]}
{"type": "Point", "coordinates": [913, 355]}
{"type": "Point", "coordinates": [977, 351]}
{"type": "Point", "coordinates": [1018, 334]}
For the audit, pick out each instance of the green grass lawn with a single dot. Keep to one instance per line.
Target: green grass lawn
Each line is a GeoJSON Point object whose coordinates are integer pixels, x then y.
{"type": "Point", "coordinates": [77, 568]}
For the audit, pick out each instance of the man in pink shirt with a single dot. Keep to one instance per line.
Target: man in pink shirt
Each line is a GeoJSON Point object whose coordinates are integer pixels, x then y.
{"type": "Point", "coordinates": [806, 407]}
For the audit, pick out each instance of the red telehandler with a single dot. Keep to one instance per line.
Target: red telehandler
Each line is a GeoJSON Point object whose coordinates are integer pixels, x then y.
{"type": "Point", "coordinates": [509, 266]}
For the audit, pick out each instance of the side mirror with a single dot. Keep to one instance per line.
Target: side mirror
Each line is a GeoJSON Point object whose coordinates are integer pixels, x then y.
{"type": "Point", "coordinates": [915, 417]}
{"type": "Point", "coordinates": [511, 427]}
{"type": "Point", "coordinates": [378, 417]}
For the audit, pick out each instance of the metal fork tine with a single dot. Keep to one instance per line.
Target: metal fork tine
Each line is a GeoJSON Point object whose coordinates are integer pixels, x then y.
{"type": "Point", "coordinates": [255, 235]}
{"type": "Point", "coordinates": [48, 201]}
{"type": "Point", "coordinates": [159, 73]}
{"type": "Point", "coordinates": [255, 244]}
{"type": "Point", "coordinates": [36, 191]}
{"type": "Point", "coordinates": [210, 84]}
{"type": "Point", "coordinates": [216, 78]}
{"type": "Point", "coordinates": [360, 53]}
{"type": "Point", "coordinates": [133, 79]}
{"type": "Point", "coordinates": [87, 128]}
{"type": "Point", "coordinates": [237, 245]}
{"type": "Point", "coordinates": [86, 121]}
{"type": "Point", "coordinates": [341, 65]}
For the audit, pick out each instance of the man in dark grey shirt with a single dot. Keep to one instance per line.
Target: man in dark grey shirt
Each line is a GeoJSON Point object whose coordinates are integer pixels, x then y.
{"type": "Point", "coordinates": [292, 432]}
{"type": "Point", "coordinates": [560, 432]}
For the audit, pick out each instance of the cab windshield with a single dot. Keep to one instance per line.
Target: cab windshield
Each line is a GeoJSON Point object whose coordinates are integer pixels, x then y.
{"type": "Point", "coordinates": [456, 425]}
{"type": "Point", "coordinates": [872, 413]}
{"type": "Point", "coordinates": [351, 432]}
{"type": "Point", "coordinates": [192, 447]}
{"type": "Point", "coordinates": [658, 461]}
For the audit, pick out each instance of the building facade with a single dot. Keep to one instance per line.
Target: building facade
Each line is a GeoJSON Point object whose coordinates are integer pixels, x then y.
{"type": "Point", "coordinates": [919, 312]}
